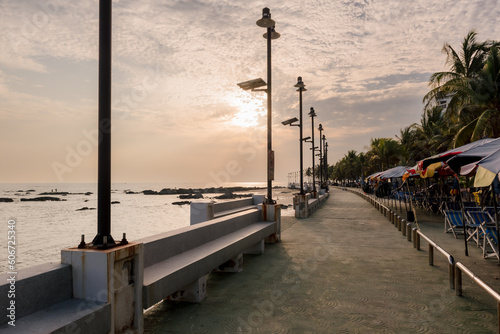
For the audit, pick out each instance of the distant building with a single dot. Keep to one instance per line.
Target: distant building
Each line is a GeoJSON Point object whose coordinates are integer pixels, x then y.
{"type": "Point", "coordinates": [443, 102]}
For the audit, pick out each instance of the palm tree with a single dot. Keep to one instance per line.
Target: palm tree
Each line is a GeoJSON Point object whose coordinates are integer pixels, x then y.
{"type": "Point", "coordinates": [384, 153]}
{"type": "Point", "coordinates": [408, 142]}
{"type": "Point", "coordinates": [463, 66]}
{"type": "Point", "coordinates": [483, 111]}
{"type": "Point", "coordinates": [434, 134]}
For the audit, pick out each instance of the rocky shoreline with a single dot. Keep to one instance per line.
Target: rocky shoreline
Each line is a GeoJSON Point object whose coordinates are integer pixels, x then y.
{"type": "Point", "coordinates": [192, 191]}
{"type": "Point", "coordinates": [184, 193]}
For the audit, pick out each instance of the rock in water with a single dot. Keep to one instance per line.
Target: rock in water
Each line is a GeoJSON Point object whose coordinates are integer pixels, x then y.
{"type": "Point", "coordinates": [40, 199]}
{"type": "Point", "coordinates": [181, 203]}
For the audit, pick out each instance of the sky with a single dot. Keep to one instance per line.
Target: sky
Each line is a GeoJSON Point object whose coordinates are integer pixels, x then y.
{"type": "Point", "coordinates": [178, 115]}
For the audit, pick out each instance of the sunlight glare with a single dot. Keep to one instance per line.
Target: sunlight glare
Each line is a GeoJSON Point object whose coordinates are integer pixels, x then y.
{"type": "Point", "coordinates": [250, 110]}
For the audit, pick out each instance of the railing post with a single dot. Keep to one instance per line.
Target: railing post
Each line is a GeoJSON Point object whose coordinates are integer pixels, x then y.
{"type": "Point", "coordinates": [498, 315]}
{"type": "Point", "coordinates": [398, 222]}
{"type": "Point", "coordinates": [451, 271]}
{"type": "Point", "coordinates": [414, 233]}
{"type": "Point", "coordinates": [403, 227]}
{"type": "Point", "coordinates": [431, 255]}
{"type": "Point", "coordinates": [458, 281]}
{"type": "Point", "coordinates": [417, 240]}
{"type": "Point", "coordinates": [408, 231]}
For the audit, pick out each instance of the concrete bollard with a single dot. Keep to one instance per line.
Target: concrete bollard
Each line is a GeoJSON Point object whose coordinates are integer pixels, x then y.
{"type": "Point", "coordinates": [201, 212]}
{"type": "Point", "coordinates": [415, 237]}
{"type": "Point", "coordinates": [408, 231]}
{"type": "Point", "coordinates": [431, 255]}
{"type": "Point", "coordinates": [399, 223]}
{"type": "Point", "coordinates": [403, 227]}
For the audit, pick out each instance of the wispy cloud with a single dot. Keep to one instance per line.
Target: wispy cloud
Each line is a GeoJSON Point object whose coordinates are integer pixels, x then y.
{"type": "Point", "coordinates": [365, 64]}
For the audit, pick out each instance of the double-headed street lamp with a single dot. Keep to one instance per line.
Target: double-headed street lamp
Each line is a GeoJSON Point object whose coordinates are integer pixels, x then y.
{"type": "Point", "coordinates": [325, 160]}
{"type": "Point", "coordinates": [269, 24]}
{"type": "Point", "coordinates": [320, 128]}
{"type": "Point", "coordinates": [312, 114]}
{"type": "Point", "coordinates": [301, 88]}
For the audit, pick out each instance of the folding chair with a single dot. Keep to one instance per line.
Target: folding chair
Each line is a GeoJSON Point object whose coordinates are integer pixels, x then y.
{"type": "Point", "coordinates": [490, 210]}
{"type": "Point", "coordinates": [475, 219]}
{"type": "Point", "coordinates": [470, 204]}
{"type": "Point", "coordinates": [453, 221]}
{"type": "Point", "coordinates": [489, 240]}
{"type": "Point", "coordinates": [452, 206]}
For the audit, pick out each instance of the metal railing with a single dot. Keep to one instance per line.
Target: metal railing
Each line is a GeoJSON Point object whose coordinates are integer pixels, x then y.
{"type": "Point", "coordinates": [459, 269]}
{"type": "Point", "coordinates": [432, 245]}
{"type": "Point", "coordinates": [455, 269]}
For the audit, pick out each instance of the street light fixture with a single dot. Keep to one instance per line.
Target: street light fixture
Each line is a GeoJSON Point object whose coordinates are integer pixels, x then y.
{"type": "Point", "coordinates": [312, 114]}
{"type": "Point", "coordinates": [290, 122]}
{"type": "Point", "coordinates": [266, 21]}
{"type": "Point", "coordinates": [269, 24]}
{"type": "Point", "coordinates": [253, 85]}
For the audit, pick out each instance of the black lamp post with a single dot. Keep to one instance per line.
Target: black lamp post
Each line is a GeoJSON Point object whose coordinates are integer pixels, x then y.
{"type": "Point", "coordinates": [103, 237]}
{"type": "Point", "coordinates": [312, 114]}
{"type": "Point", "coordinates": [320, 128]}
{"type": "Point", "coordinates": [269, 24]}
{"type": "Point", "coordinates": [301, 88]}
{"type": "Point", "coordinates": [325, 160]}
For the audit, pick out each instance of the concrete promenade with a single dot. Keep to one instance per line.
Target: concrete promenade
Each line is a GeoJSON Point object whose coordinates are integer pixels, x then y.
{"type": "Point", "coordinates": [345, 269]}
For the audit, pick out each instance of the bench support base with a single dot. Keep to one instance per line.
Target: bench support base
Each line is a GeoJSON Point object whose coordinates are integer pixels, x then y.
{"type": "Point", "coordinates": [194, 292]}
{"type": "Point", "coordinates": [235, 265]}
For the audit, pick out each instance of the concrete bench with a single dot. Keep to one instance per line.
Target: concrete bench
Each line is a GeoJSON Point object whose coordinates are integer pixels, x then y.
{"type": "Point", "coordinates": [44, 303]}
{"type": "Point", "coordinates": [306, 204]}
{"type": "Point", "coordinates": [206, 210]}
{"type": "Point", "coordinates": [175, 259]}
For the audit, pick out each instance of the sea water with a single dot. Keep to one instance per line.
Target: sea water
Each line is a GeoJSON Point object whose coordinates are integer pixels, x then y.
{"type": "Point", "coordinates": [44, 228]}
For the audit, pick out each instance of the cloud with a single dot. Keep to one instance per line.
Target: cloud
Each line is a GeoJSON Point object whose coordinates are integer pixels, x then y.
{"type": "Point", "coordinates": [365, 64]}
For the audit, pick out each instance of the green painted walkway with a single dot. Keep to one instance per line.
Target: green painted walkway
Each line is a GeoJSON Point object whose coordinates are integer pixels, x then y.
{"type": "Point", "coordinates": [345, 269]}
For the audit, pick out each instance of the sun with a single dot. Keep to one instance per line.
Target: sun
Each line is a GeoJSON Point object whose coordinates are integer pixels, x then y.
{"type": "Point", "coordinates": [249, 110]}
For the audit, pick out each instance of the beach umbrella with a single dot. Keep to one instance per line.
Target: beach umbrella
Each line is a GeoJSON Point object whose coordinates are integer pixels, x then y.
{"type": "Point", "coordinates": [373, 176]}
{"type": "Point", "coordinates": [423, 164]}
{"type": "Point", "coordinates": [473, 155]}
{"type": "Point", "coordinates": [410, 171]}
{"type": "Point", "coordinates": [396, 172]}
{"type": "Point", "coordinates": [487, 169]}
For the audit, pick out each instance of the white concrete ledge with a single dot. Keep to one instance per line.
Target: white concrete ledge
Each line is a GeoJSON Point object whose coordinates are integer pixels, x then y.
{"type": "Point", "coordinates": [70, 316]}
{"type": "Point", "coordinates": [37, 288]}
